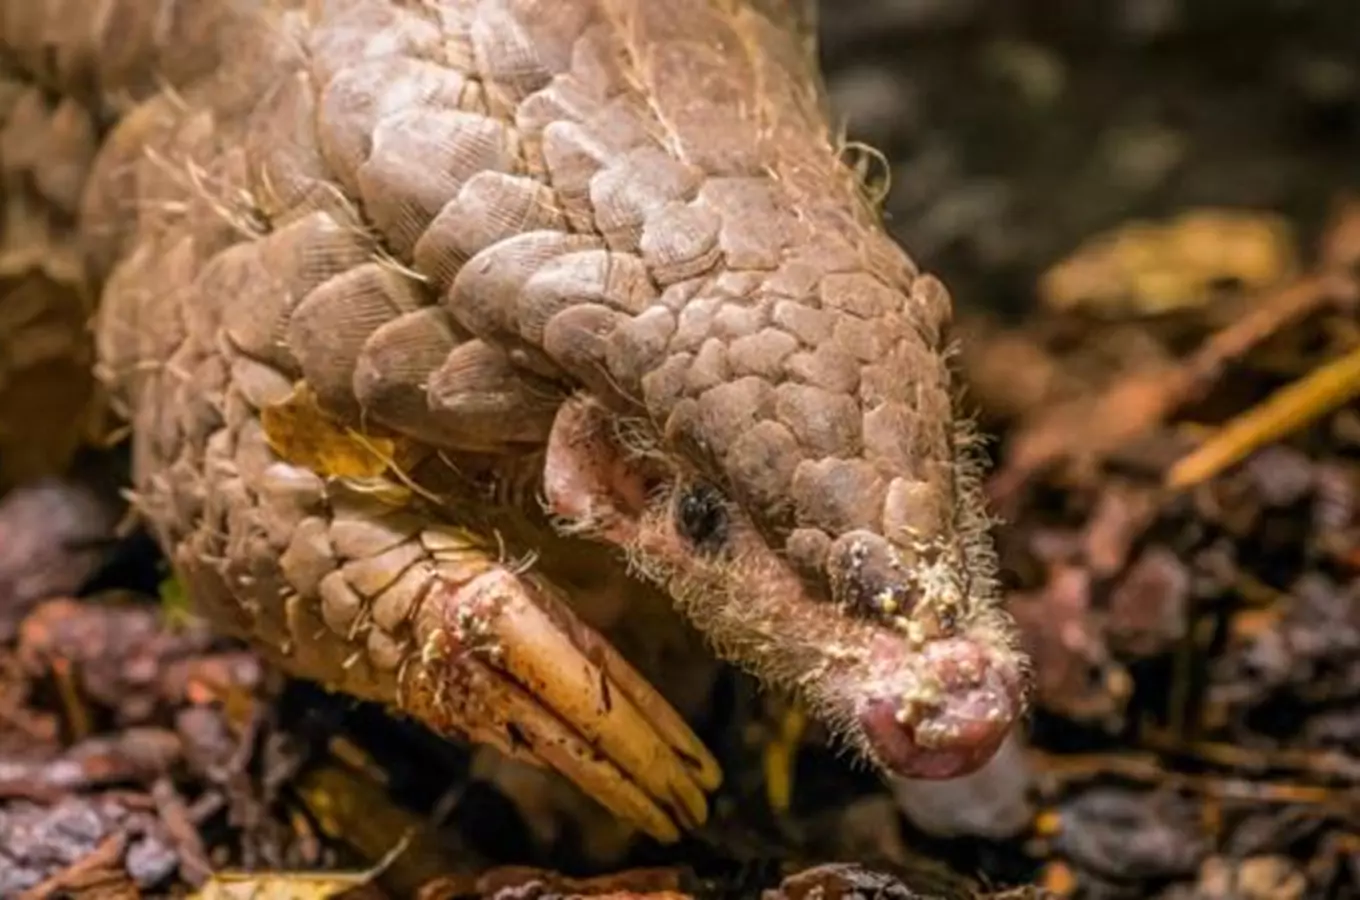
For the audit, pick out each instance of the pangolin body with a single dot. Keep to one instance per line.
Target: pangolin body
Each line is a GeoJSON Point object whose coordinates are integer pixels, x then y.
{"type": "Point", "coordinates": [605, 254]}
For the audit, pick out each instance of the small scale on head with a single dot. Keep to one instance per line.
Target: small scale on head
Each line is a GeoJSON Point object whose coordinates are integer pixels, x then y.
{"type": "Point", "coordinates": [900, 647]}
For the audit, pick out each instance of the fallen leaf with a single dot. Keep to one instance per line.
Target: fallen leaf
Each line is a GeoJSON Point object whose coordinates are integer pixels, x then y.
{"type": "Point", "coordinates": [281, 886]}
{"type": "Point", "coordinates": [1152, 268]}
{"type": "Point", "coordinates": [300, 432]}
{"type": "Point", "coordinates": [295, 885]}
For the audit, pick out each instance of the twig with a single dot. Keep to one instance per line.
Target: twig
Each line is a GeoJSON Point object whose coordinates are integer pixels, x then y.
{"type": "Point", "coordinates": [1318, 763]}
{"type": "Point", "coordinates": [1146, 769]}
{"type": "Point", "coordinates": [1283, 413]}
{"type": "Point", "coordinates": [107, 855]}
{"type": "Point", "coordinates": [1090, 427]}
{"type": "Point", "coordinates": [194, 866]}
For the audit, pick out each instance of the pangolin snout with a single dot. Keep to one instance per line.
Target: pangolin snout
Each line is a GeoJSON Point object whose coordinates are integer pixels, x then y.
{"type": "Point", "coordinates": [943, 685]}
{"type": "Point", "coordinates": [966, 701]}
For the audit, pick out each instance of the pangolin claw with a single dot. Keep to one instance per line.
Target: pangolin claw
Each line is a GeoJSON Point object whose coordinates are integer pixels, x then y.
{"type": "Point", "coordinates": [504, 661]}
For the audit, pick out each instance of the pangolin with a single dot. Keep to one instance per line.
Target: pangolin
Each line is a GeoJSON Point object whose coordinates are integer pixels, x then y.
{"type": "Point", "coordinates": [392, 292]}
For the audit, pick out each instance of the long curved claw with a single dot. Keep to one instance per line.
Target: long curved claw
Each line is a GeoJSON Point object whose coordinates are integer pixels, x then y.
{"type": "Point", "coordinates": [504, 661]}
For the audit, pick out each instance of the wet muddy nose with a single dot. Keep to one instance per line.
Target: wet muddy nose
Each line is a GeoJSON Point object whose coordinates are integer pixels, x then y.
{"type": "Point", "coordinates": [964, 705]}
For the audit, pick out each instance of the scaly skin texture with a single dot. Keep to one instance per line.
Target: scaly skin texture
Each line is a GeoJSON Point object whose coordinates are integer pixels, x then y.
{"type": "Point", "coordinates": [605, 251]}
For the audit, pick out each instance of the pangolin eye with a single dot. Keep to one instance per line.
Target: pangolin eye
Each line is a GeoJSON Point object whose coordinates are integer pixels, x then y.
{"type": "Point", "coordinates": [701, 517]}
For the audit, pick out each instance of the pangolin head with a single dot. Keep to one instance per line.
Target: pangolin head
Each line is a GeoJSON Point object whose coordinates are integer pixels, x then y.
{"type": "Point", "coordinates": [774, 435]}
{"type": "Point", "coordinates": [832, 541]}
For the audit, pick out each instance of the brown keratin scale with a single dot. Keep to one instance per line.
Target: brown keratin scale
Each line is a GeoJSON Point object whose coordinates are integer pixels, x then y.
{"type": "Point", "coordinates": [603, 254]}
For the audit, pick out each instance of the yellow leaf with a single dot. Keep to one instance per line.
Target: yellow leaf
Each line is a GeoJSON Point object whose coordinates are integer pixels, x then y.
{"type": "Point", "coordinates": [300, 432]}
{"type": "Point", "coordinates": [1145, 268]}
{"type": "Point", "coordinates": [280, 886]}
{"type": "Point", "coordinates": [295, 885]}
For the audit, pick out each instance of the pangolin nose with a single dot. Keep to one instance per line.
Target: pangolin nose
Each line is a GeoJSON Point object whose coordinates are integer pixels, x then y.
{"type": "Point", "coordinates": [967, 699]}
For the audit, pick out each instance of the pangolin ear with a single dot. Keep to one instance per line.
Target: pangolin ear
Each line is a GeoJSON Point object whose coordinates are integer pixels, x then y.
{"type": "Point", "coordinates": [590, 480]}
